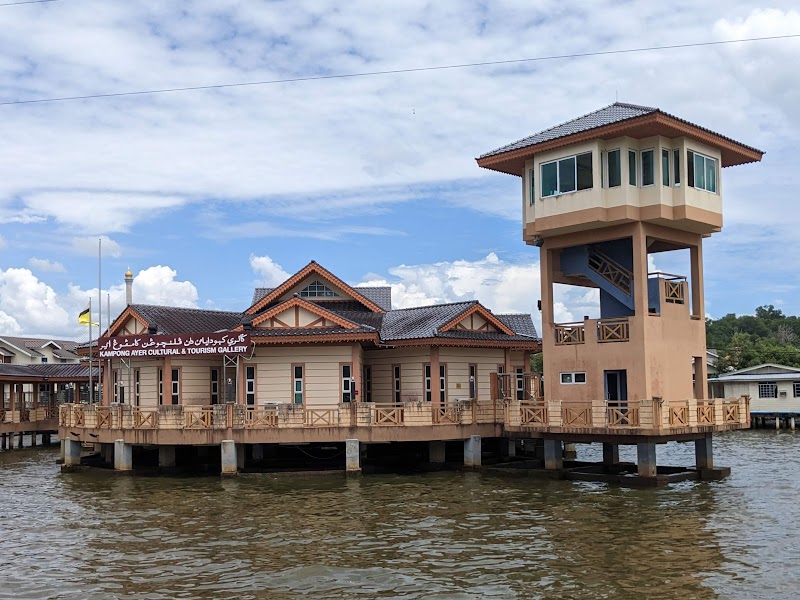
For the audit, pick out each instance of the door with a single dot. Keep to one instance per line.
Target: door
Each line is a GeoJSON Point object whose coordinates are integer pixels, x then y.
{"type": "Point", "coordinates": [616, 384]}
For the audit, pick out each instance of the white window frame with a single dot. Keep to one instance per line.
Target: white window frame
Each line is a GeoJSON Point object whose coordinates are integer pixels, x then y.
{"type": "Point", "coordinates": [762, 389]}
{"type": "Point", "coordinates": [796, 388]}
{"type": "Point", "coordinates": [397, 384]}
{"type": "Point", "coordinates": [705, 158]}
{"type": "Point", "coordinates": [250, 386]}
{"type": "Point", "coordinates": [519, 383]}
{"type": "Point", "coordinates": [572, 375]}
{"type": "Point", "coordinates": [558, 174]}
{"type": "Point", "coordinates": [175, 397]}
{"type": "Point", "coordinates": [427, 376]}
{"type": "Point", "coordinates": [605, 169]}
{"type": "Point", "coordinates": [298, 380]}
{"type": "Point", "coordinates": [635, 169]}
{"type": "Point", "coordinates": [641, 167]}
{"type": "Point", "coordinates": [668, 153]}
{"type": "Point", "coordinates": [367, 383]}
{"type": "Point", "coordinates": [347, 383]}
{"type": "Point", "coordinates": [676, 167]}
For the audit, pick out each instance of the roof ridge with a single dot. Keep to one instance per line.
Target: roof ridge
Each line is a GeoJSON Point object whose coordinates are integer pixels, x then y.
{"type": "Point", "coordinates": [436, 305]}
{"type": "Point", "coordinates": [207, 310]}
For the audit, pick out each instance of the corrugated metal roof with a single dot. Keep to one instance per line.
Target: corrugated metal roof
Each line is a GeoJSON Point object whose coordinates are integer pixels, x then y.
{"type": "Point", "coordinates": [613, 113]}
{"type": "Point", "coordinates": [756, 377]}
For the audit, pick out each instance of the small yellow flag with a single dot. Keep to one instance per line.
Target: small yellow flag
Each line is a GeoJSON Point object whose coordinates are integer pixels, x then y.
{"type": "Point", "coordinates": [85, 318]}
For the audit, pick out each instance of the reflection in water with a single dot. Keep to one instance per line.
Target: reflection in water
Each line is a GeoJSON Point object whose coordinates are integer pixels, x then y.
{"type": "Point", "coordinates": [441, 535]}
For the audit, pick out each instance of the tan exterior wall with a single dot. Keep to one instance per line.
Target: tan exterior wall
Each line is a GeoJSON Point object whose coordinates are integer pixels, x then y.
{"type": "Point", "coordinates": [680, 203]}
{"type": "Point", "coordinates": [412, 364]}
{"type": "Point", "coordinates": [458, 361]}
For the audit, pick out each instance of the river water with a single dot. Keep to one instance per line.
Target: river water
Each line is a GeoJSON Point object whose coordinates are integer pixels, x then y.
{"type": "Point", "coordinates": [439, 535]}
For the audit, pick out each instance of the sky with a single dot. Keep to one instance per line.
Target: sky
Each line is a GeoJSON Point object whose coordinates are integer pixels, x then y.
{"type": "Point", "coordinates": [206, 194]}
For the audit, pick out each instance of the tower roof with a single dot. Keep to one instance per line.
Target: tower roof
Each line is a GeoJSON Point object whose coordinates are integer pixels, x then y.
{"type": "Point", "coordinates": [616, 120]}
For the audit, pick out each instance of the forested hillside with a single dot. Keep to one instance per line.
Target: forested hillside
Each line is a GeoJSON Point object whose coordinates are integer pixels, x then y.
{"type": "Point", "coordinates": [769, 336]}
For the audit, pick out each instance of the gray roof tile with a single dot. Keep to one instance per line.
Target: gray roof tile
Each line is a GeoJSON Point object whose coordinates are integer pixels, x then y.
{"type": "Point", "coordinates": [613, 113]}
{"type": "Point", "coordinates": [174, 319]}
{"type": "Point", "coordinates": [50, 370]}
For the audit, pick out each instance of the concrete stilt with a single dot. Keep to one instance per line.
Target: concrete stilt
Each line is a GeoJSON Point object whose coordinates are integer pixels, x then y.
{"type": "Point", "coordinates": [553, 455]}
{"type": "Point", "coordinates": [258, 452]}
{"type": "Point", "coordinates": [570, 451]}
{"type": "Point", "coordinates": [704, 453]}
{"type": "Point", "coordinates": [352, 456]}
{"type": "Point", "coordinates": [791, 423]}
{"type": "Point", "coordinates": [123, 456]}
{"type": "Point", "coordinates": [166, 456]}
{"type": "Point", "coordinates": [777, 423]}
{"type": "Point", "coordinates": [229, 462]}
{"type": "Point", "coordinates": [472, 451]}
{"type": "Point", "coordinates": [72, 453]}
{"type": "Point", "coordinates": [511, 451]}
{"type": "Point", "coordinates": [108, 453]}
{"type": "Point", "coordinates": [3, 442]}
{"type": "Point", "coordinates": [610, 454]}
{"type": "Point", "coordinates": [646, 459]}
{"type": "Point", "coordinates": [33, 440]}
{"type": "Point", "coordinates": [63, 451]}
{"type": "Point", "coordinates": [240, 456]}
{"type": "Point", "coordinates": [436, 451]}
{"type": "Point", "coordinates": [20, 441]}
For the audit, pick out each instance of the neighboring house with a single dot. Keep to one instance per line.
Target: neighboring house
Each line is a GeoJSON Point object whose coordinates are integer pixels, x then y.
{"type": "Point", "coordinates": [26, 350]}
{"type": "Point", "coordinates": [313, 341]}
{"type": "Point", "coordinates": [772, 388]}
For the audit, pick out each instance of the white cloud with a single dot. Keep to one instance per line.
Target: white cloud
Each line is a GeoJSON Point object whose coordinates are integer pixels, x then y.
{"type": "Point", "coordinates": [88, 246]}
{"type": "Point", "coordinates": [270, 273]}
{"type": "Point", "coordinates": [29, 303]}
{"type": "Point", "coordinates": [158, 285]}
{"type": "Point", "coordinates": [43, 264]}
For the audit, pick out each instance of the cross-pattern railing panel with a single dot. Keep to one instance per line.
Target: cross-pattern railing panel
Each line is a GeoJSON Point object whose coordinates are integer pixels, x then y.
{"type": "Point", "coordinates": [570, 333]}
{"type": "Point", "coordinates": [679, 415]}
{"type": "Point", "coordinates": [145, 419]}
{"type": "Point", "coordinates": [198, 418]}
{"type": "Point", "coordinates": [705, 413]}
{"type": "Point", "coordinates": [610, 270]}
{"type": "Point", "coordinates": [576, 416]}
{"type": "Point", "coordinates": [533, 414]}
{"type": "Point", "coordinates": [620, 414]}
{"type": "Point", "coordinates": [731, 413]}
{"type": "Point", "coordinates": [387, 414]}
{"type": "Point", "coordinates": [256, 418]}
{"type": "Point", "coordinates": [103, 417]}
{"type": "Point", "coordinates": [321, 417]}
{"type": "Point", "coordinates": [613, 330]}
{"type": "Point", "coordinates": [673, 292]}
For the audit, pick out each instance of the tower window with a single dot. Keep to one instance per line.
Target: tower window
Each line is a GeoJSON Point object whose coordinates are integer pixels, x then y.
{"type": "Point", "coordinates": [702, 171]}
{"type": "Point", "coordinates": [317, 289]}
{"type": "Point", "coordinates": [614, 168]}
{"type": "Point", "coordinates": [648, 168]}
{"type": "Point", "coordinates": [567, 175]}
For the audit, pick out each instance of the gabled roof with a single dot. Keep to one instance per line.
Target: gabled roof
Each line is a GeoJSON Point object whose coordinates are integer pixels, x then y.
{"type": "Point", "coordinates": [173, 319]}
{"type": "Point", "coordinates": [30, 346]}
{"type": "Point", "coordinates": [310, 307]}
{"type": "Point", "coordinates": [311, 268]}
{"type": "Point", "coordinates": [47, 372]}
{"type": "Point", "coordinates": [763, 372]}
{"type": "Point", "coordinates": [616, 120]}
{"type": "Point", "coordinates": [479, 309]}
{"type": "Point", "coordinates": [380, 295]}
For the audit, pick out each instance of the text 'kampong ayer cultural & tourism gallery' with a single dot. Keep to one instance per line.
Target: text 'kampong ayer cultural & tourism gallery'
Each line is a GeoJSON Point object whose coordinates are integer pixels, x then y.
{"type": "Point", "coordinates": [318, 363]}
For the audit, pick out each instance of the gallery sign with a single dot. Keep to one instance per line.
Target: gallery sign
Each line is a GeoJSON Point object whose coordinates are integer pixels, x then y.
{"type": "Point", "coordinates": [197, 344]}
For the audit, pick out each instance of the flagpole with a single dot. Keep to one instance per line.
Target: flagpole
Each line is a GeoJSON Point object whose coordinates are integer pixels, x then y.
{"type": "Point", "coordinates": [99, 302]}
{"type": "Point", "coordinates": [90, 350]}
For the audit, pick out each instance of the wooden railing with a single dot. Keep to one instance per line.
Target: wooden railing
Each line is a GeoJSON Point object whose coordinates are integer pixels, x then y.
{"type": "Point", "coordinates": [576, 416]}
{"type": "Point", "coordinates": [705, 413]}
{"type": "Point", "coordinates": [447, 413]}
{"type": "Point", "coordinates": [260, 418]}
{"type": "Point", "coordinates": [610, 270]}
{"type": "Point", "coordinates": [730, 412]}
{"type": "Point", "coordinates": [197, 418]}
{"type": "Point", "coordinates": [673, 292]}
{"type": "Point", "coordinates": [387, 414]}
{"type": "Point", "coordinates": [570, 333]}
{"type": "Point", "coordinates": [533, 413]}
{"type": "Point", "coordinates": [103, 417]}
{"type": "Point", "coordinates": [321, 417]}
{"type": "Point", "coordinates": [621, 414]}
{"type": "Point", "coordinates": [679, 415]}
{"type": "Point", "coordinates": [613, 330]}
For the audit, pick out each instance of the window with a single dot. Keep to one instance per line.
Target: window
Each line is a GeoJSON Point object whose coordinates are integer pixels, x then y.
{"type": "Point", "coordinates": [796, 386]}
{"type": "Point", "coordinates": [161, 386]}
{"type": "Point", "coordinates": [614, 169]}
{"type": "Point", "coordinates": [768, 390]}
{"type": "Point", "coordinates": [347, 383]}
{"type": "Point", "coordinates": [317, 290]}
{"type": "Point", "coordinates": [250, 386]}
{"type": "Point", "coordinates": [520, 384]}
{"type": "Point", "coordinates": [427, 383]}
{"type": "Point", "coordinates": [136, 380]}
{"type": "Point", "coordinates": [665, 167]}
{"type": "Point", "coordinates": [473, 381]}
{"type": "Point", "coordinates": [297, 385]}
{"type": "Point", "coordinates": [396, 388]}
{"type": "Point", "coordinates": [443, 383]}
{"type": "Point", "coordinates": [116, 386]}
{"type": "Point", "coordinates": [573, 378]}
{"type": "Point", "coordinates": [676, 165]}
{"type": "Point", "coordinates": [632, 167]}
{"type": "Point", "coordinates": [648, 168]}
{"type": "Point", "coordinates": [214, 386]}
{"type": "Point", "coordinates": [44, 359]}
{"type": "Point", "coordinates": [702, 171]}
{"type": "Point", "coordinates": [368, 384]}
{"type": "Point", "coordinates": [567, 175]}
{"type": "Point", "coordinates": [176, 386]}
{"type": "Point", "coordinates": [533, 186]}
